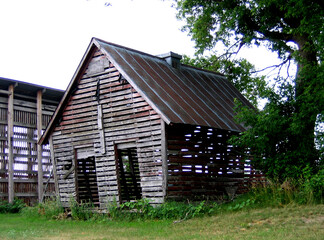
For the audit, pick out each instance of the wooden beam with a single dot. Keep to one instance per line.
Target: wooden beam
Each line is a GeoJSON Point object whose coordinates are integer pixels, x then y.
{"type": "Point", "coordinates": [117, 173]}
{"type": "Point", "coordinates": [57, 192]}
{"type": "Point", "coordinates": [10, 144]}
{"type": "Point", "coordinates": [4, 92]}
{"type": "Point", "coordinates": [30, 145]}
{"type": "Point", "coordinates": [164, 158]}
{"type": "Point", "coordinates": [39, 147]}
{"type": "Point", "coordinates": [75, 165]}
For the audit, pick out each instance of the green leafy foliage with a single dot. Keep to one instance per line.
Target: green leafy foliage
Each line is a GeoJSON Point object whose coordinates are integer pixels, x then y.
{"type": "Point", "coordinates": [282, 135]}
{"type": "Point", "coordinates": [253, 22]}
{"type": "Point", "coordinates": [142, 209]}
{"type": "Point", "coordinates": [51, 209]}
{"type": "Point", "coordinates": [82, 211]}
{"type": "Point", "coordinates": [313, 185]}
{"type": "Point", "coordinates": [275, 194]}
{"type": "Point", "coordinates": [276, 135]}
{"type": "Point", "coordinates": [307, 190]}
{"type": "Point", "coordinates": [14, 207]}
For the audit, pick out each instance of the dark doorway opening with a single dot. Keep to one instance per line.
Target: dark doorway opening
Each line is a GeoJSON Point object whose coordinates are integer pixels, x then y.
{"type": "Point", "coordinates": [128, 175]}
{"type": "Point", "coordinates": [87, 187]}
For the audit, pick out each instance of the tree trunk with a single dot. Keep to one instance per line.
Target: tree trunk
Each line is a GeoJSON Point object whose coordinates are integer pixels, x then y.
{"type": "Point", "coordinates": [305, 104]}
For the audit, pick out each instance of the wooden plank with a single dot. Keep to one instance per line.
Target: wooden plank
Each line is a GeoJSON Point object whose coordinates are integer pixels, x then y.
{"type": "Point", "coordinates": [10, 144]}
{"type": "Point", "coordinates": [116, 98]}
{"type": "Point", "coordinates": [53, 159]}
{"type": "Point", "coordinates": [78, 120]}
{"type": "Point", "coordinates": [133, 126]}
{"type": "Point", "coordinates": [17, 181]}
{"type": "Point", "coordinates": [122, 120]}
{"type": "Point", "coordinates": [86, 95]}
{"type": "Point", "coordinates": [71, 128]}
{"type": "Point", "coordinates": [81, 114]}
{"type": "Point", "coordinates": [134, 131]}
{"type": "Point", "coordinates": [68, 112]}
{"type": "Point", "coordinates": [39, 147]}
{"type": "Point", "coordinates": [81, 103]}
{"type": "Point", "coordinates": [131, 112]}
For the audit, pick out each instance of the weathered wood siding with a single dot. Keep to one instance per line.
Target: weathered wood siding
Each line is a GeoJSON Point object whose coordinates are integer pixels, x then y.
{"type": "Point", "coordinates": [202, 165]}
{"type": "Point", "coordinates": [104, 113]}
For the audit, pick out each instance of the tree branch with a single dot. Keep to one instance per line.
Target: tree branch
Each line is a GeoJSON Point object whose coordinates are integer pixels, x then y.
{"type": "Point", "coordinates": [274, 66]}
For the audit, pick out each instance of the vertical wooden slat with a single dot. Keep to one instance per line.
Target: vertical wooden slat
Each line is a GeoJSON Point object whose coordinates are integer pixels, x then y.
{"type": "Point", "coordinates": [10, 145]}
{"type": "Point", "coordinates": [39, 147]}
{"type": "Point", "coordinates": [117, 172]}
{"type": "Point", "coordinates": [164, 158]}
{"type": "Point", "coordinates": [54, 167]}
{"type": "Point", "coordinates": [29, 152]}
{"type": "Point", "coordinates": [133, 162]}
{"type": "Point", "coordinates": [75, 160]}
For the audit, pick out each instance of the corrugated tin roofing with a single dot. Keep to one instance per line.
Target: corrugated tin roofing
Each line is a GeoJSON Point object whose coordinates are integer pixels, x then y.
{"type": "Point", "coordinates": [186, 95]}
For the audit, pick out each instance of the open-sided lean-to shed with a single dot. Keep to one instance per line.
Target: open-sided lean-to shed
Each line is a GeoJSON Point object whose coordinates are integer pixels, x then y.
{"type": "Point", "coordinates": [25, 166]}
{"type": "Point", "coordinates": [132, 125]}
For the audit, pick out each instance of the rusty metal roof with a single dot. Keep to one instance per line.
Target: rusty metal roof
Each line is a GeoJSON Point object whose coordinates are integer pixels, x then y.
{"type": "Point", "coordinates": [181, 95]}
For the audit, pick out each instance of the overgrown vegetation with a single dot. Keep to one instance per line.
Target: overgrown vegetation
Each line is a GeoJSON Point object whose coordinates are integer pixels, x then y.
{"type": "Point", "coordinates": [275, 136]}
{"type": "Point", "coordinates": [142, 209]}
{"type": "Point", "coordinates": [275, 195]}
{"type": "Point", "coordinates": [50, 209]}
{"type": "Point", "coordinates": [14, 207]}
{"type": "Point", "coordinates": [257, 214]}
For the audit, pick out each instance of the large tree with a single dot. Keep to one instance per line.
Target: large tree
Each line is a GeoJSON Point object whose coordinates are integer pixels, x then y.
{"type": "Point", "coordinates": [283, 133]}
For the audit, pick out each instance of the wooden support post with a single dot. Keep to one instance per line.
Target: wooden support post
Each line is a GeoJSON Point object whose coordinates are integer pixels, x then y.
{"type": "Point", "coordinates": [53, 160]}
{"type": "Point", "coordinates": [30, 133]}
{"type": "Point", "coordinates": [10, 144]}
{"type": "Point", "coordinates": [39, 147]}
{"type": "Point", "coordinates": [164, 153]}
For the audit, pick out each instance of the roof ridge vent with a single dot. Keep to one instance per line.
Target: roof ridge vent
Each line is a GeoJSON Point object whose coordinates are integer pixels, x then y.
{"type": "Point", "coordinates": [173, 59]}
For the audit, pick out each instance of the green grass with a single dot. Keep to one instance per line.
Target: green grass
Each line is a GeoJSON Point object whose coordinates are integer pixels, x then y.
{"type": "Point", "coordinates": [290, 222]}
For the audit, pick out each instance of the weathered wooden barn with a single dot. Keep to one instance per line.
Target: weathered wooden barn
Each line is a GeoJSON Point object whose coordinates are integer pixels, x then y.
{"type": "Point", "coordinates": [25, 167]}
{"type": "Point", "coordinates": [132, 125]}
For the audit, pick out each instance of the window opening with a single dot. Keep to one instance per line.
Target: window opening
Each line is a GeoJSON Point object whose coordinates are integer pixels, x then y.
{"type": "Point", "coordinates": [87, 181]}
{"type": "Point", "coordinates": [129, 174]}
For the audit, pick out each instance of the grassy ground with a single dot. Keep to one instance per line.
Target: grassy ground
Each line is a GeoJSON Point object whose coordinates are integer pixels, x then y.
{"type": "Point", "coordinates": [293, 222]}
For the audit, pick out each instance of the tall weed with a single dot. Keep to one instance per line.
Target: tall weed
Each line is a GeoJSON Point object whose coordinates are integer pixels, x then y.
{"type": "Point", "coordinates": [83, 211]}
{"type": "Point", "coordinates": [313, 185]}
{"type": "Point", "coordinates": [277, 194]}
{"type": "Point", "coordinates": [142, 209]}
{"type": "Point", "coordinates": [50, 209]}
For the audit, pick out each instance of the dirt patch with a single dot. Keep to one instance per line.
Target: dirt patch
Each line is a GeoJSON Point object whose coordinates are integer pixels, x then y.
{"type": "Point", "coordinates": [315, 219]}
